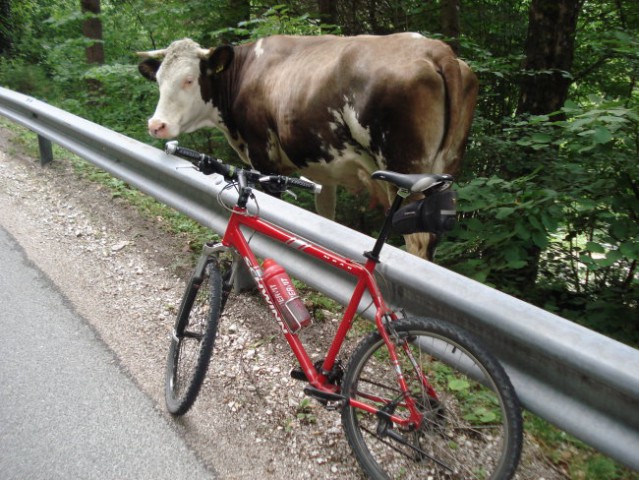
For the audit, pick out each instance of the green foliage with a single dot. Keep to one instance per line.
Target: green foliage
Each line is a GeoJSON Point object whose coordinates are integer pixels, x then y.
{"type": "Point", "coordinates": [305, 412]}
{"type": "Point", "coordinates": [578, 210]}
{"type": "Point", "coordinates": [500, 221]}
{"type": "Point", "coordinates": [548, 205]}
{"type": "Point", "coordinates": [19, 75]}
{"type": "Point", "coordinates": [277, 20]}
{"type": "Point", "coordinates": [572, 457]}
{"type": "Point", "coordinates": [597, 252]}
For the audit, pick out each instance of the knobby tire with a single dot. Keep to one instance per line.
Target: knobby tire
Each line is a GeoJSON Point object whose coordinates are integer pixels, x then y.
{"type": "Point", "coordinates": [192, 340]}
{"type": "Point", "coordinates": [472, 430]}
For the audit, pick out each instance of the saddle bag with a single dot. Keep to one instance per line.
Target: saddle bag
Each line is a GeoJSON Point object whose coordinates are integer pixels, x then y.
{"type": "Point", "coordinates": [433, 214]}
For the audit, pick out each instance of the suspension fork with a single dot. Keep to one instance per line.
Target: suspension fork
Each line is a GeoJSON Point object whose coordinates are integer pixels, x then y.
{"type": "Point", "coordinates": [208, 251]}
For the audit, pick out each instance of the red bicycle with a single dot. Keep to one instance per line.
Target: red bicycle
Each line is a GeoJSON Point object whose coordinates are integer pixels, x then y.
{"type": "Point", "coordinates": [419, 397]}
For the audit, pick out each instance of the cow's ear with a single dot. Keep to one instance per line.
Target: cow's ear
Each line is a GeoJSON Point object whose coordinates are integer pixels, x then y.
{"type": "Point", "coordinates": [149, 68]}
{"type": "Point", "coordinates": [220, 59]}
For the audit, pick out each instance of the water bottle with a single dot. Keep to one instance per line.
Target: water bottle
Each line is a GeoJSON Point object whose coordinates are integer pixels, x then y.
{"type": "Point", "coordinates": [286, 299]}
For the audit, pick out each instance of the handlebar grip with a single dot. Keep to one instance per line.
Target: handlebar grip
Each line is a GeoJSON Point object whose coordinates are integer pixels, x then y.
{"type": "Point", "coordinates": [206, 164]}
{"type": "Point", "coordinates": [209, 165]}
{"type": "Point", "coordinates": [307, 184]}
{"type": "Point", "coordinates": [172, 148]}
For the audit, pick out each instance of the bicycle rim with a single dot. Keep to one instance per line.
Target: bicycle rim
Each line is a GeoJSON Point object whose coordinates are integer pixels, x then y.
{"type": "Point", "coordinates": [470, 430]}
{"type": "Point", "coordinates": [192, 341]}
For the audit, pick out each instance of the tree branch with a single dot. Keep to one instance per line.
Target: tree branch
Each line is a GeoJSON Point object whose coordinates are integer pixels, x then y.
{"type": "Point", "coordinates": [592, 67]}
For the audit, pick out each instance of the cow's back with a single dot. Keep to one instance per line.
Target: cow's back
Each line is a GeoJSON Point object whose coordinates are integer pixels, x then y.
{"type": "Point", "coordinates": [341, 107]}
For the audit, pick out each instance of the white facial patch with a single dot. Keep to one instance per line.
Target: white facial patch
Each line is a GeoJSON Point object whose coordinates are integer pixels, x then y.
{"type": "Point", "coordinates": [181, 107]}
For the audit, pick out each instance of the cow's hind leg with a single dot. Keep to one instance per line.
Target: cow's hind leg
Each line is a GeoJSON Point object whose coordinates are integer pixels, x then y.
{"type": "Point", "coordinates": [421, 244]}
{"type": "Point", "coordinates": [326, 201]}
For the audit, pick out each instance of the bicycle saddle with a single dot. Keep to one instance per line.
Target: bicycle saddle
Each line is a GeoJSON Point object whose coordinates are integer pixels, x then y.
{"type": "Point", "coordinates": [415, 182]}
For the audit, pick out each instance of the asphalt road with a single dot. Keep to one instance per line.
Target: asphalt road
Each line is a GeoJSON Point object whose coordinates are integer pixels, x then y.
{"type": "Point", "coordinates": [67, 410]}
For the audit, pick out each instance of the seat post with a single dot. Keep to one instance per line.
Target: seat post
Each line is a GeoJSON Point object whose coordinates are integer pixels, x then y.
{"type": "Point", "coordinates": [386, 227]}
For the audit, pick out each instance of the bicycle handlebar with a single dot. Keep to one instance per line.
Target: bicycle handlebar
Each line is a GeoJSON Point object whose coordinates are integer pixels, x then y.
{"type": "Point", "coordinates": [208, 165]}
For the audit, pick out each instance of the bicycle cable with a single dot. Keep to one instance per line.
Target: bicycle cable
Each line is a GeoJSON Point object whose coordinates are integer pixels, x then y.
{"type": "Point", "coordinates": [228, 186]}
{"type": "Point", "coordinates": [221, 202]}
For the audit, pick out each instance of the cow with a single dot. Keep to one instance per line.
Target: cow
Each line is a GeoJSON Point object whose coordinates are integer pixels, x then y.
{"type": "Point", "coordinates": [333, 108]}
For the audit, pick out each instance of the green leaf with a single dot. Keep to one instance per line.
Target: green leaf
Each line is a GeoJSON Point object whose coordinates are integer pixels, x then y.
{"type": "Point", "coordinates": [550, 223]}
{"type": "Point", "coordinates": [517, 264]}
{"type": "Point", "coordinates": [541, 138]}
{"type": "Point", "coordinates": [504, 212]}
{"type": "Point", "coordinates": [534, 221]}
{"type": "Point", "coordinates": [601, 135]}
{"type": "Point", "coordinates": [614, 255]}
{"type": "Point", "coordinates": [595, 247]}
{"type": "Point", "coordinates": [487, 416]}
{"type": "Point", "coordinates": [630, 250]}
{"type": "Point", "coordinates": [540, 239]}
{"type": "Point", "coordinates": [522, 231]}
{"type": "Point", "coordinates": [610, 259]}
{"type": "Point", "coordinates": [458, 384]}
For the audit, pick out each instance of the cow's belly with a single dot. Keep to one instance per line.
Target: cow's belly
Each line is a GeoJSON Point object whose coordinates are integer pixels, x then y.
{"type": "Point", "coordinates": [351, 168]}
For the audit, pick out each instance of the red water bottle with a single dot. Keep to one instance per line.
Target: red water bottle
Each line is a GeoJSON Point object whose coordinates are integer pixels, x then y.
{"type": "Point", "coordinates": [286, 299]}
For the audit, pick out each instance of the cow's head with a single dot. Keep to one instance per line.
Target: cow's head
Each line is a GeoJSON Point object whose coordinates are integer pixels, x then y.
{"type": "Point", "coordinates": [183, 72]}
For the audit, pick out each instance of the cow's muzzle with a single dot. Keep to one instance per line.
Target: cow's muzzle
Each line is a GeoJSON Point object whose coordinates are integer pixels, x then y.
{"type": "Point", "coordinates": [158, 128]}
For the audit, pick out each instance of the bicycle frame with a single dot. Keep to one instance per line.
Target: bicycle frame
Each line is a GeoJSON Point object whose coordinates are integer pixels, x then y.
{"type": "Point", "coordinates": [234, 238]}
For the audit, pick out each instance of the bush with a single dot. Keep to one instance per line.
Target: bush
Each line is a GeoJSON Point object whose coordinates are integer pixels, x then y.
{"type": "Point", "coordinates": [25, 78]}
{"type": "Point", "coordinates": [566, 236]}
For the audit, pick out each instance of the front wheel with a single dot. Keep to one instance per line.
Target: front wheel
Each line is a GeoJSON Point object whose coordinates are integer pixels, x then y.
{"type": "Point", "coordinates": [192, 340]}
{"type": "Point", "coordinates": [468, 423]}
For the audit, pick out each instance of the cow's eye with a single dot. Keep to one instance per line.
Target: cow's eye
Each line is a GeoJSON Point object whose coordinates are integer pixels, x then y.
{"type": "Point", "coordinates": [188, 82]}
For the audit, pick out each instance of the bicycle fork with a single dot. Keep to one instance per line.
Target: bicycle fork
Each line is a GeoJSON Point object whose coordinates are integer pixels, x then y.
{"type": "Point", "coordinates": [386, 415]}
{"type": "Point", "coordinates": [386, 330]}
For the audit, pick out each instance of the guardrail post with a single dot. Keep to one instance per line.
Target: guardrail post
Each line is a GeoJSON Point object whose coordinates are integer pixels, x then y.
{"type": "Point", "coordinates": [46, 150]}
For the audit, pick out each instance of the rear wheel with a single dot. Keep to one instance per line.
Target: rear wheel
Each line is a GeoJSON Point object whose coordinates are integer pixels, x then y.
{"type": "Point", "coordinates": [471, 425]}
{"type": "Point", "coordinates": [192, 340]}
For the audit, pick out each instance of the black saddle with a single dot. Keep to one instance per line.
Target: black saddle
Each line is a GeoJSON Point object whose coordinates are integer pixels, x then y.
{"type": "Point", "coordinates": [414, 182]}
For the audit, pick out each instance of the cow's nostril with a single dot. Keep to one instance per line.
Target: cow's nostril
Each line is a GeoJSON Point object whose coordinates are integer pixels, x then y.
{"type": "Point", "coordinates": [157, 127]}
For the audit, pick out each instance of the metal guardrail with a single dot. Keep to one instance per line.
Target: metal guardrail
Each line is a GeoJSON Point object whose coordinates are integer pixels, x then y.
{"type": "Point", "coordinates": [583, 382]}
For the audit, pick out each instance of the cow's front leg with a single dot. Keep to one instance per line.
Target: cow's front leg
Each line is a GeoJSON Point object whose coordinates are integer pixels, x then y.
{"type": "Point", "coordinates": [326, 201]}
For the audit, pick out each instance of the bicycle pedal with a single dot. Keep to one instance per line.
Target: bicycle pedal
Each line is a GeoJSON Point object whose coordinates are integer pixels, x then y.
{"type": "Point", "coordinates": [322, 395]}
{"type": "Point", "coordinates": [298, 374]}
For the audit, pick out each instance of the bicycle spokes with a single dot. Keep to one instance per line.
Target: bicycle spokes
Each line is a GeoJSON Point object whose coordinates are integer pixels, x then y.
{"type": "Point", "coordinates": [450, 422]}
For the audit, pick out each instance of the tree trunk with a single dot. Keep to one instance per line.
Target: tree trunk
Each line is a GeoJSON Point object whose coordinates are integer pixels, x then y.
{"type": "Point", "coordinates": [450, 23]}
{"type": "Point", "coordinates": [327, 11]}
{"type": "Point", "coordinates": [232, 13]}
{"type": "Point", "coordinates": [550, 49]}
{"type": "Point", "coordinates": [5, 29]}
{"type": "Point", "coordinates": [550, 46]}
{"type": "Point", "coordinates": [92, 29]}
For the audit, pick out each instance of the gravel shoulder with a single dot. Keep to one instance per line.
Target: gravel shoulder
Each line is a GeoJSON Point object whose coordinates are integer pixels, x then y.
{"type": "Point", "coordinates": [118, 269]}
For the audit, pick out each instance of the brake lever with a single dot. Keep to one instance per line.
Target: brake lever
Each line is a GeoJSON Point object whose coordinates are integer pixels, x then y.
{"type": "Point", "coordinates": [278, 185]}
{"type": "Point", "coordinates": [290, 193]}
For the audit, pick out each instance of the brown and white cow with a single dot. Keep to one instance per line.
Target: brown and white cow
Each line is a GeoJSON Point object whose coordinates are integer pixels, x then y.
{"type": "Point", "coordinates": [333, 108]}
